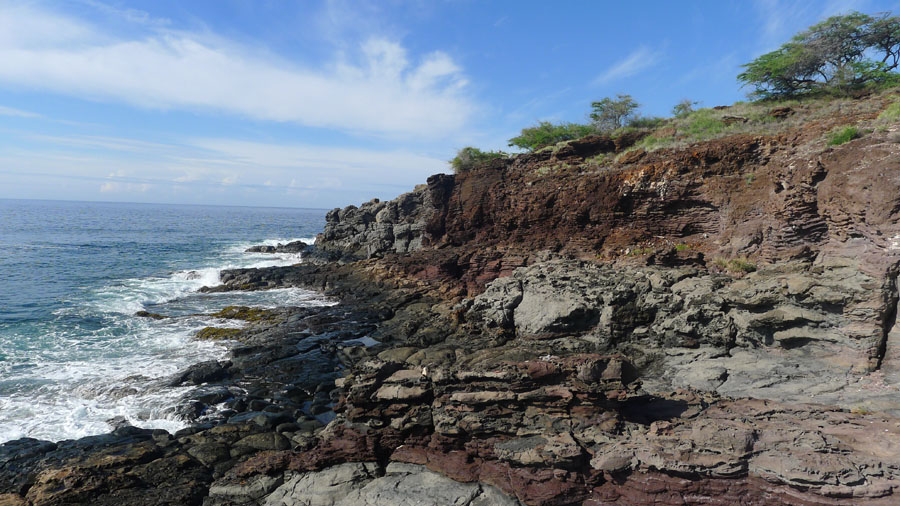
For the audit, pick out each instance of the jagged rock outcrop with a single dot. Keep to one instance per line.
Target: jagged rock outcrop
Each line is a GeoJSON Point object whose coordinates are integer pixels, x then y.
{"type": "Point", "coordinates": [375, 228]}
{"type": "Point", "coordinates": [291, 247]}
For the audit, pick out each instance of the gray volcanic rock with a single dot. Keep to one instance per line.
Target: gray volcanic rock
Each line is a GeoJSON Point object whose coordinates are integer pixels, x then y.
{"type": "Point", "coordinates": [324, 488]}
{"type": "Point", "coordinates": [402, 225]}
{"type": "Point", "coordinates": [792, 332]}
{"type": "Point", "coordinates": [414, 485]}
{"type": "Point", "coordinates": [362, 484]}
{"type": "Point", "coordinates": [291, 247]}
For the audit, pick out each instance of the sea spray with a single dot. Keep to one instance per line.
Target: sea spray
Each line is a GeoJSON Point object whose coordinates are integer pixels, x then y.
{"type": "Point", "coordinates": [73, 354]}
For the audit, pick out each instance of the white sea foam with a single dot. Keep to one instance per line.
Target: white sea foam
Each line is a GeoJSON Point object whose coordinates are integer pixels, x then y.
{"type": "Point", "coordinates": [87, 375]}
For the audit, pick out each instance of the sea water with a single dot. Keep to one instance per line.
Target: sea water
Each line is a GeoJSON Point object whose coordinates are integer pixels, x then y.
{"type": "Point", "coordinates": [73, 355]}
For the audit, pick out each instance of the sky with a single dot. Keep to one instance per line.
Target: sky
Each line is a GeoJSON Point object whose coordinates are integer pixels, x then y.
{"type": "Point", "coordinates": [320, 104]}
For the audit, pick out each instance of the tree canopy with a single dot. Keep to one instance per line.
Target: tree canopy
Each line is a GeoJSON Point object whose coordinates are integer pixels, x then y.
{"type": "Point", "coordinates": [610, 114]}
{"type": "Point", "coordinates": [840, 53]}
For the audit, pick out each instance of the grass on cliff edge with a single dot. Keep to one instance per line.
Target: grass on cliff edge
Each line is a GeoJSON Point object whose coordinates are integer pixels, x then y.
{"type": "Point", "coordinates": [891, 113]}
{"type": "Point", "coordinates": [843, 135]}
{"type": "Point", "coordinates": [760, 118]}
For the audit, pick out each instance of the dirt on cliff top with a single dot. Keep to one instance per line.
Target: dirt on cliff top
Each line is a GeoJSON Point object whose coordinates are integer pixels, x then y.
{"type": "Point", "coordinates": [726, 188]}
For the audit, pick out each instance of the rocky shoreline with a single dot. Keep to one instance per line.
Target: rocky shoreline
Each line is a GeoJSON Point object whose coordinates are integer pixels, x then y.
{"type": "Point", "coordinates": [666, 330]}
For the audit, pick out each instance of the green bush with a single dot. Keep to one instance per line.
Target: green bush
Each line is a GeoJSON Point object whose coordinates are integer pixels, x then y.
{"type": "Point", "coordinates": [684, 107]}
{"type": "Point", "coordinates": [647, 122]}
{"type": "Point", "coordinates": [890, 113]}
{"type": "Point", "coordinates": [843, 135]}
{"type": "Point", "coordinates": [468, 158]}
{"type": "Point", "coordinates": [548, 134]}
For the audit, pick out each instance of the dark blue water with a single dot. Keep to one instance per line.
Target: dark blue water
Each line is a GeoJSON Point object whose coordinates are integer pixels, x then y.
{"type": "Point", "coordinates": [72, 275]}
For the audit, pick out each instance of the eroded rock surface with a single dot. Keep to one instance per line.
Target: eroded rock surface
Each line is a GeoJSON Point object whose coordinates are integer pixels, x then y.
{"type": "Point", "coordinates": [707, 324]}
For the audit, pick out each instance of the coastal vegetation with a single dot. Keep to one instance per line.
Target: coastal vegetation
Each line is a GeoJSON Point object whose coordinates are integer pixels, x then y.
{"type": "Point", "coordinates": [843, 135]}
{"type": "Point", "coordinates": [546, 133]}
{"type": "Point", "coordinates": [891, 113]}
{"type": "Point", "coordinates": [833, 62]}
{"type": "Point", "coordinates": [469, 157]}
{"type": "Point", "coordinates": [838, 56]}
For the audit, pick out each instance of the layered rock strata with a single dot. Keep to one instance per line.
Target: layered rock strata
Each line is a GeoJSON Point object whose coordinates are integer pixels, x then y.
{"type": "Point", "coordinates": [585, 324]}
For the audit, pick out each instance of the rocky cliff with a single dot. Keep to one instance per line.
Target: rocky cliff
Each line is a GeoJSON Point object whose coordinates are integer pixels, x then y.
{"type": "Point", "coordinates": [598, 322]}
{"type": "Point", "coordinates": [777, 248]}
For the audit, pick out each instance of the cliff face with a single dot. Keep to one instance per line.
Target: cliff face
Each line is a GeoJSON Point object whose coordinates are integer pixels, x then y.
{"type": "Point", "coordinates": [708, 323]}
{"type": "Point", "coordinates": [818, 224]}
{"type": "Point", "coordinates": [752, 266]}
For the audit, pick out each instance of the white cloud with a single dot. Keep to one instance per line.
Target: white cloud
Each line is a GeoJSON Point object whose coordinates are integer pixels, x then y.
{"type": "Point", "coordinates": [341, 163]}
{"type": "Point", "coordinates": [115, 187]}
{"type": "Point", "coordinates": [639, 59]}
{"type": "Point", "coordinates": [323, 176]}
{"type": "Point", "coordinates": [10, 111]}
{"type": "Point", "coordinates": [379, 89]}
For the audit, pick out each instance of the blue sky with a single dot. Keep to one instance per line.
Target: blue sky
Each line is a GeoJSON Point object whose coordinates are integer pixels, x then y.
{"type": "Point", "coordinates": [329, 103]}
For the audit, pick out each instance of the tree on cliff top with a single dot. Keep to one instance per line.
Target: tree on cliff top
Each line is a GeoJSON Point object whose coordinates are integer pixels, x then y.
{"type": "Point", "coordinates": [839, 54]}
{"type": "Point", "coordinates": [610, 114]}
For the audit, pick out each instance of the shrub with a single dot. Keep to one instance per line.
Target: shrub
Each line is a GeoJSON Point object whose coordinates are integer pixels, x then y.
{"type": "Point", "coordinates": [468, 158]}
{"type": "Point", "coordinates": [646, 122]}
{"type": "Point", "coordinates": [843, 135]}
{"type": "Point", "coordinates": [682, 247]}
{"type": "Point", "coordinates": [683, 108]}
{"type": "Point", "coordinates": [548, 134]}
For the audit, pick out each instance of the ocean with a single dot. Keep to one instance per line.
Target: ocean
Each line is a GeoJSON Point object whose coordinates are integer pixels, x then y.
{"type": "Point", "coordinates": [72, 276]}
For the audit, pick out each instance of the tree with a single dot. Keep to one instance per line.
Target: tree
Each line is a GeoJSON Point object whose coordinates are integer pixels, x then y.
{"type": "Point", "coordinates": [610, 114]}
{"type": "Point", "coordinates": [547, 134]}
{"type": "Point", "coordinates": [684, 107]}
{"type": "Point", "coordinates": [835, 54]}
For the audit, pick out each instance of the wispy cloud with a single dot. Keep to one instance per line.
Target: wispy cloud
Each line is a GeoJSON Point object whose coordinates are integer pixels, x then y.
{"type": "Point", "coordinates": [378, 88]}
{"type": "Point", "coordinates": [19, 113]}
{"type": "Point", "coordinates": [781, 19]}
{"type": "Point", "coordinates": [346, 164]}
{"type": "Point", "coordinates": [640, 59]}
{"type": "Point", "coordinates": [720, 70]}
{"type": "Point", "coordinates": [216, 164]}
